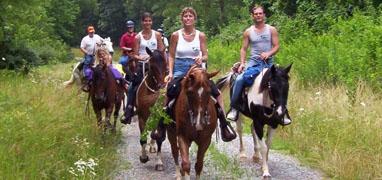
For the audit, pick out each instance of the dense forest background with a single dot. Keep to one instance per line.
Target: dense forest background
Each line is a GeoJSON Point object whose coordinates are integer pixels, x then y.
{"type": "Point", "coordinates": [330, 35]}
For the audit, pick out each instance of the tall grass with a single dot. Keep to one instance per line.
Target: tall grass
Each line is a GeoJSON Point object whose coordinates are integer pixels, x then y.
{"type": "Point", "coordinates": [328, 132]}
{"type": "Point", "coordinates": [44, 130]}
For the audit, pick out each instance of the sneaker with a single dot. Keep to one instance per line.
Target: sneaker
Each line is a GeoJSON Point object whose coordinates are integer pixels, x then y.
{"type": "Point", "coordinates": [232, 114]}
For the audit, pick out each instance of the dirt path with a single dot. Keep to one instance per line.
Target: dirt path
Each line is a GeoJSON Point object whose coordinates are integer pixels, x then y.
{"type": "Point", "coordinates": [221, 162]}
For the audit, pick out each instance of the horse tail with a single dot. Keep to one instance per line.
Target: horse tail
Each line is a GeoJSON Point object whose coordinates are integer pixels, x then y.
{"type": "Point", "coordinates": [224, 82]}
{"type": "Point", "coordinates": [71, 80]}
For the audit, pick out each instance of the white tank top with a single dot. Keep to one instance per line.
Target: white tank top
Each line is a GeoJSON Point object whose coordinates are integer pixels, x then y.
{"type": "Point", "coordinates": [152, 43]}
{"type": "Point", "coordinates": [185, 49]}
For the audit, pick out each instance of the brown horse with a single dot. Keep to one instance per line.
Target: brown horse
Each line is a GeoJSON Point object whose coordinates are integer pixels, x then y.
{"type": "Point", "coordinates": [105, 94]}
{"type": "Point", "coordinates": [147, 95]}
{"type": "Point", "coordinates": [196, 120]}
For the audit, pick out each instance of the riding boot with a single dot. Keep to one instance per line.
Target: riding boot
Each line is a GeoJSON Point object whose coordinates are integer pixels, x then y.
{"type": "Point", "coordinates": [129, 113]}
{"type": "Point", "coordinates": [225, 126]}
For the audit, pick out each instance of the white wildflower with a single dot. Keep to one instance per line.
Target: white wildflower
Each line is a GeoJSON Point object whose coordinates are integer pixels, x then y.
{"type": "Point", "coordinates": [318, 93]}
{"type": "Point", "coordinates": [3, 58]}
{"type": "Point", "coordinates": [302, 109]}
{"type": "Point", "coordinates": [363, 104]}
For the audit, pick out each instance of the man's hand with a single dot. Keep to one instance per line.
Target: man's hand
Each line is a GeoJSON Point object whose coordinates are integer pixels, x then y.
{"type": "Point", "coordinates": [241, 68]}
{"type": "Point", "coordinates": [265, 55]}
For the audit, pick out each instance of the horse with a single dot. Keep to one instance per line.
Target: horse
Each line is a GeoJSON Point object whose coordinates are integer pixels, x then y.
{"type": "Point", "coordinates": [147, 94]}
{"type": "Point", "coordinates": [105, 94]}
{"type": "Point", "coordinates": [196, 120]}
{"type": "Point", "coordinates": [265, 104]}
{"type": "Point", "coordinates": [77, 76]}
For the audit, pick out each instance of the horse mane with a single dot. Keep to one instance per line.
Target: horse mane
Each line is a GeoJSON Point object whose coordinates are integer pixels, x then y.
{"type": "Point", "coordinates": [269, 73]}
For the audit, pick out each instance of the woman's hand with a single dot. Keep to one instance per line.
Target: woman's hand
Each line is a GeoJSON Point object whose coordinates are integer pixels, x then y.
{"type": "Point", "coordinates": [198, 60]}
{"type": "Point", "coordinates": [168, 78]}
{"type": "Point", "coordinates": [241, 68]}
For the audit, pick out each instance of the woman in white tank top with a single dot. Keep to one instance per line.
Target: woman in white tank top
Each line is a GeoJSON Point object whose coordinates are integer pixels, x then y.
{"type": "Point", "coordinates": [188, 46]}
{"type": "Point", "coordinates": [146, 38]}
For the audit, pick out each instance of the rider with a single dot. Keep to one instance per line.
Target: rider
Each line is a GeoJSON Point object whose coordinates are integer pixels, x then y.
{"type": "Point", "coordinates": [88, 46]}
{"type": "Point", "coordinates": [164, 39]}
{"type": "Point", "coordinates": [146, 38]}
{"type": "Point", "coordinates": [188, 46]}
{"type": "Point", "coordinates": [126, 43]}
{"type": "Point", "coordinates": [104, 56]}
{"type": "Point", "coordinates": [264, 42]}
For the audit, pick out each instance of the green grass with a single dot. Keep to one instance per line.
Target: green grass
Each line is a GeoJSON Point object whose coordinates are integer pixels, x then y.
{"type": "Point", "coordinates": [44, 129]}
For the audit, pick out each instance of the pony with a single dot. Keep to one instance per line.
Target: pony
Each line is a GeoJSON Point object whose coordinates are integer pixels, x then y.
{"type": "Point", "coordinates": [147, 94]}
{"type": "Point", "coordinates": [106, 95]}
{"type": "Point", "coordinates": [77, 76]}
{"type": "Point", "coordinates": [265, 103]}
{"type": "Point", "coordinates": [196, 120]}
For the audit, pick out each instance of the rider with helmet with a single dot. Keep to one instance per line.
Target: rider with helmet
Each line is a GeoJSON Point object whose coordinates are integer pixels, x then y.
{"type": "Point", "coordinates": [126, 43]}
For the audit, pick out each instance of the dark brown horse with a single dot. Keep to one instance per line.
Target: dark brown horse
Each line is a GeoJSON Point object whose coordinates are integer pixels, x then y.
{"type": "Point", "coordinates": [147, 95]}
{"type": "Point", "coordinates": [105, 95]}
{"type": "Point", "coordinates": [196, 120]}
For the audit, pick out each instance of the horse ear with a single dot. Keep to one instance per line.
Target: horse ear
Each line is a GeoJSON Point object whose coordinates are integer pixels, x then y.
{"type": "Point", "coordinates": [149, 52]}
{"type": "Point", "coordinates": [287, 69]}
{"type": "Point", "coordinates": [210, 75]}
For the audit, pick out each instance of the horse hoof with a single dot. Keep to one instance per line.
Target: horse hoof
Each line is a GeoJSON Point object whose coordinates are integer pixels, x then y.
{"type": "Point", "coordinates": [267, 176]}
{"type": "Point", "coordinates": [243, 157]}
{"type": "Point", "coordinates": [152, 150]}
{"type": "Point", "coordinates": [159, 167]}
{"type": "Point", "coordinates": [143, 159]}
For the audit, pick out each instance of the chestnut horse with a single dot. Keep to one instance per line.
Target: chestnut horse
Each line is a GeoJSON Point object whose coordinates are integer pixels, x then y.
{"type": "Point", "coordinates": [196, 120]}
{"type": "Point", "coordinates": [105, 94]}
{"type": "Point", "coordinates": [147, 95]}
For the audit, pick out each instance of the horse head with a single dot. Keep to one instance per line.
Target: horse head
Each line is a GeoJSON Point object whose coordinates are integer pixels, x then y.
{"type": "Point", "coordinates": [198, 91]}
{"type": "Point", "coordinates": [99, 83]}
{"type": "Point", "coordinates": [105, 43]}
{"type": "Point", "coordinates": [276, 81]}
{"type": "Point", "coordinates": [158, 66]}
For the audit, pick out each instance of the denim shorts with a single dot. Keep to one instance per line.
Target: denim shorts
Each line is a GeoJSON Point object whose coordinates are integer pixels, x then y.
{"type": "Point", "coordinates": [182, 65]}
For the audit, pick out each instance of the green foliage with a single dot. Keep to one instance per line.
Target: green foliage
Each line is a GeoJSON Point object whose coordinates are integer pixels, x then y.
{"type": "Point", "coordinates": [45, 131]}
{"type": "Point", "coordinates": [156, 114]}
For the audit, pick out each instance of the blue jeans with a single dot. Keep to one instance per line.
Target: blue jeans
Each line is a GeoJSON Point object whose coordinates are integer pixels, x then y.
{"type": "Point", "coordinates": [239, 82]}
{"type": "Point", "coordinates": [182, 65]}
{"type": "Point", "coordinates": [88, 61]}
{"type": "Point", "coordinates": [124, 60]}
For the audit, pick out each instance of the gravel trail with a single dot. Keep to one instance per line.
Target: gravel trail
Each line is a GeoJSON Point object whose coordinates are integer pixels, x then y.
{"type": "Point", "coordinates": [281, 166]}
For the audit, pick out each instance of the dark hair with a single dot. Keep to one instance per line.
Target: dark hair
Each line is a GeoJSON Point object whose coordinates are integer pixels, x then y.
{"type": "Point", "coordinates": [146, 15]}
{"type": "Point", "coordinates": [254, 7]}
{"type": "Point", "coordinates": [190, 10]}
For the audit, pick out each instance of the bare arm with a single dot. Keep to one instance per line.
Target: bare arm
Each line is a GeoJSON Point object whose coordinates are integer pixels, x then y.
{"type": "Point", "coordinates": [203, 48]}
{"type": "Point", "coordinates": [243, 50]}
{"type": "Point", "coordinates": [136, 47]}
{"type": "Point", "coordinates": [171, 58]}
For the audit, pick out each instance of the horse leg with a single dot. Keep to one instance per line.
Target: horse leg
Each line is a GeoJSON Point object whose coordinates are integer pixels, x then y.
{"type": "Point", "coordinates": [239, 129]}
{"type": "Point", "coordinates": [109, 110]}
{"type": "Point", "coordinates": [143, 158]}
{"type": "Point", "coordinates": [260, 142]}
{"type": "Point", "coordinates": [159, 164]}
{"type": "Point", "coordinates": [116, 113]}
{"type": "Point", "coordinates": [99, 117]}
{"type": "Point", "coordinates": [184, 146]}
{"type": "Point", "coordinates": [256, 146]}
{"type": "Point", "coordinates": [202, 148]}
{"type": "Point", "coordinates": [171, 131]}
{"type": "Point", "coordinates": [152, 148]}
{"type": "Point", "coordinates": [270, 133]}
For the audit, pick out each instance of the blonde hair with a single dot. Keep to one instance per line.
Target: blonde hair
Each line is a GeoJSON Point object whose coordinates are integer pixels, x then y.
{"type": "Point", "coordinates": [188, 10]}
{"type": "Point", "coordinates": [99, 50]}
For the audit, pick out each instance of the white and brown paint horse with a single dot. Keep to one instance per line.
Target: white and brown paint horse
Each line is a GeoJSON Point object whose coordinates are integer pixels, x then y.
{"type": "Point", "coordinates": [196, 120]}
{"type": "Point", "coordinates": [265, 103]}
{"type": "Point", "coordinates": [77, 76]}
